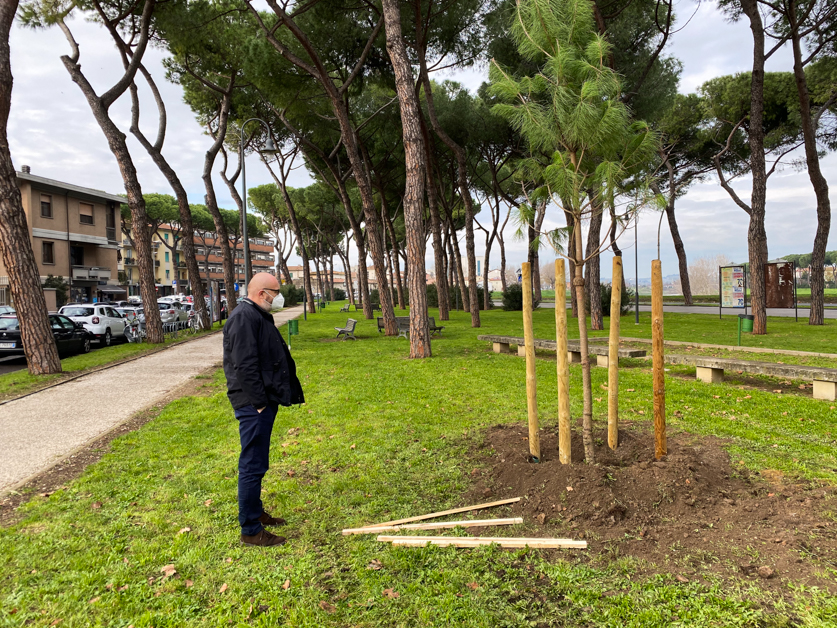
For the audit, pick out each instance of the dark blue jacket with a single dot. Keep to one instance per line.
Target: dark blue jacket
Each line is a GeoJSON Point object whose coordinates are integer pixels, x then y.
{"type": "Point", "coordinates": [257, 363]}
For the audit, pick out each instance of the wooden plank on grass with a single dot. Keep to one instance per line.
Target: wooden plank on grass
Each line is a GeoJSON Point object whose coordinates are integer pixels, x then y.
{"type": "Point", "coordinates": [469, 523]}
{"type": "Point", "coordinates": [475, 541]}
{"type": "Point", "coordinates": [452, 511]}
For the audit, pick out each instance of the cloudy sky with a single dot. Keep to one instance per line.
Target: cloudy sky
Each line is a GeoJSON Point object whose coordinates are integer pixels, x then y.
{"type": "Point", "coordinates": [52, 130]}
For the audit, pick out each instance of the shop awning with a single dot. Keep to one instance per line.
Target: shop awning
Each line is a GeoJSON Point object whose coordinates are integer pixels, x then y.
{"type": "Point", "coordinates": [112, 289]}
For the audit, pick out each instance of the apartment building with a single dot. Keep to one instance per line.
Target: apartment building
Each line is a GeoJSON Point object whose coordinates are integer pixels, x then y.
{"type": "Point", "coordinates": [170, 275]}
{"type": "Point", "coordinates": [74, 236]}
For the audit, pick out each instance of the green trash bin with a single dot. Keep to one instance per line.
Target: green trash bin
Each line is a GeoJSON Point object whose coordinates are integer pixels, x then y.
{"type": "Point", "coordinates": [293, 327]}
{"type": "Point", "coordinates": [746, 322]}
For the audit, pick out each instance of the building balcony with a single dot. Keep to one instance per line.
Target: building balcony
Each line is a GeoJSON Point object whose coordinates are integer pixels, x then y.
{"type": "Point", "coordinates": [130, 261]}
{"type": "Point", "coordinates": [90, 272]}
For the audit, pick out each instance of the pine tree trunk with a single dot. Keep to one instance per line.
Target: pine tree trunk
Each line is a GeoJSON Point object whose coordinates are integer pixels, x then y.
{"type": "Point", "coordinates": [414, 186]}
{"type": "Point", "coordinates": [24, 278]}
{"type": "Point", "coordinates": [578, 288]}
{"type": "Point", "coordinates": [535, 253]}
{"type": "Point", "coordinates": [331, 278]}
{"type": "Point", "coordinates": [486, 286]}
{"type": "Point", "coordinates": [222, 234]}
{"type": "Point", "coordinates": [570, 245]}
{"type": "Point", "coordinates": [594, 283]}
{"type": "Point", "coordinates": [681, 254]}
{"type": "Point", "coordinates": [756, 234]}
{"type": "Point", "coordinates": [139, 217]}
{"type": "Point", "coordinates": [184, 211]}
{"type": "Point", "coordinates": [502, 264]}
{"type": "Point", "coordinates": [818, 181]}
{"type": "Point", "coordinates": [460, 273]}
{"type": "Point", "coordinates": [462, 182]}
{"type": "Point", "coordinates": [442, 290]}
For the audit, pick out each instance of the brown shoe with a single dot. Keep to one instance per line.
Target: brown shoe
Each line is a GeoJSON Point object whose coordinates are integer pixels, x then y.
{"type": "Point", "coordinates": [266, 520]}
{"type": "Point", "coordinates": [263, 539]}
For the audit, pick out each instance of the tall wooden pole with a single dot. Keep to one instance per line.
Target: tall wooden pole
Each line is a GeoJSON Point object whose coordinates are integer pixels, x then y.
{"type": "Point", "coordinates": [658, 360]}
{"type": "Point", "coordinates": [564, 432]}
{"type": "Point", "coordinates": [531, 379]}
{"type": "Point", "coordinates": [613, 354]}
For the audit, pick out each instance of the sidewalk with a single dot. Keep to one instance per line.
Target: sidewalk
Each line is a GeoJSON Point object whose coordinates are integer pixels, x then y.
{"type": "Point", "coordinates": [41, 429]}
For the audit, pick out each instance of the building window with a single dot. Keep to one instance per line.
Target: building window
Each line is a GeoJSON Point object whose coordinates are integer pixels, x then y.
{"type": "Point", "coordinates": [110, 225]}
{"type": "Point", "coordinates": [167, 253]}
{"type": "Point", "coordinates": [85, 213]}
{"type": "Point", "coordinates": [198, 251]}
{"type": "Point", "coordinates": [167, 274]}
{"type": "Point", "coordinates": [77, 255]}
{"type": "Point", "coordinates": [48, 252]}
{"type": "Point", "coordinates": [46, 206]}
{"type": "Point", "coordinates": [167, 236]}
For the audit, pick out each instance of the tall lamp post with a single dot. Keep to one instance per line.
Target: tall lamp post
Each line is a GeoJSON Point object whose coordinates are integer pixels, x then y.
{"type": "Point", "coordinates": [269, 149]}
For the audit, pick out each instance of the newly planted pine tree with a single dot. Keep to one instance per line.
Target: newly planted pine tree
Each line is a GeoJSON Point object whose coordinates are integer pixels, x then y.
{"type": "Point", "coordinates": [584, 146]}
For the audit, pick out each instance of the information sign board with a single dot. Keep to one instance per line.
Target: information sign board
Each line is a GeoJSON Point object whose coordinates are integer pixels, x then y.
{"type": "Point", "coordinates": [732, 286]}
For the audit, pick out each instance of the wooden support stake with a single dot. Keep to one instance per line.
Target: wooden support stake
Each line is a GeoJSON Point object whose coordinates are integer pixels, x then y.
{"type": "Point", "coordinates": [475, 541]}
{"type": "Point", "coordinates": [453, 511]}
{"type": "Point", "coordinates": [658, 359]}
{"type": "Point", "coordinates": [564, 431]}
{"type": "Point", "coordinates": [613, 354]}
{"type": "Point", "coordinates": [531, 378]}
{"type": "Point", "coordinates": [439, 525]}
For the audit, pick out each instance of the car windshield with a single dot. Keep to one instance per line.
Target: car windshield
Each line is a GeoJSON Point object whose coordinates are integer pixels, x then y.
{"type": "Point", "coordinates": [165, 306]}
{"type": "Point", "coordinates": [9, 322]}
{"type": "Point", "coordinates": [77, 311]}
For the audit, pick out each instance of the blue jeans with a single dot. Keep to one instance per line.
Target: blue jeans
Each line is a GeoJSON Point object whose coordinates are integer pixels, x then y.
{"type": "Point", "coordinates": [254, 429]}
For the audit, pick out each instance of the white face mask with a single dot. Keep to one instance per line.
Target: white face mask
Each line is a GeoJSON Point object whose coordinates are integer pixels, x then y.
{"type": "Point", "coordinates": [273, 306]}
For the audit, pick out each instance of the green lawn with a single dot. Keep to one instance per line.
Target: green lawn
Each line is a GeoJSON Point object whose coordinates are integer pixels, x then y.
{"type": "Point", "coordinates": [21, 382]}
{"type": "Point", "coordinates": [382, 437]}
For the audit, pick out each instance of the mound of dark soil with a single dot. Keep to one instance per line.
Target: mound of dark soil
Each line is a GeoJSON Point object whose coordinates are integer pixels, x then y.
{"type": "Point", "coordinates": [692, 513]}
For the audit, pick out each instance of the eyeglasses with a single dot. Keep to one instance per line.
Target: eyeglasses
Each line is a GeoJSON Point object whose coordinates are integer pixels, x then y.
{"type": "Point", "coordinates": [269, 290]}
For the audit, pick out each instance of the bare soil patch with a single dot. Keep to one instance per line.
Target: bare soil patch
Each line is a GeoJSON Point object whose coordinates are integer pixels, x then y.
{"type": "Point", "coordinates": [61, 473]}
{"type": "Point", "coordinates": [694, 514]}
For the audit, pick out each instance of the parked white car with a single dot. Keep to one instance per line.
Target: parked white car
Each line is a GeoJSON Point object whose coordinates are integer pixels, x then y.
{"type": "Point", "coordinates": [172, 311]}
{"type": "Point", "coordinates": [102, 321]}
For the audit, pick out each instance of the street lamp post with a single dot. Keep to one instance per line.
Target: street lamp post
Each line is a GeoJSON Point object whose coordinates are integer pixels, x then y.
{"type": "Point", "coordinates": [269, 149]}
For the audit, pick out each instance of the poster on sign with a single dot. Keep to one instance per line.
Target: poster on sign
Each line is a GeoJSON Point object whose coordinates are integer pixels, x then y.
{"type": "Point", "coordinates": [732, 286]}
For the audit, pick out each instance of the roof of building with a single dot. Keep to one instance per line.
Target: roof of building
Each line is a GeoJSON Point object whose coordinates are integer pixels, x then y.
{"type": "Point", "coordinates": [60, 186]}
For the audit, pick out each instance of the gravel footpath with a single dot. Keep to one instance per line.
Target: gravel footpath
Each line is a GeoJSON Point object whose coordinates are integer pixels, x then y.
{"type": "Point", "coordinates": [41, 429]}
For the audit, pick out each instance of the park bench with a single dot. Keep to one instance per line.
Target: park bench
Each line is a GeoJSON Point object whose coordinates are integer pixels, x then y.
{"type": "Point", "coordinates": [711, 370]}
{"type": "Point", "coordinates": [348, 331]}
{"type": "Point", "coordinates": [345, 308]}
{"type": "Point", "coordinates": [402, 324]}
{"type": "Point", "coordinates": [501, 345]}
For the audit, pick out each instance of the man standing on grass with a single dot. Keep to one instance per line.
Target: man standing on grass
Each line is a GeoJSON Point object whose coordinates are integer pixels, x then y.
{"type": "Point", "coordinates": [261, 376]}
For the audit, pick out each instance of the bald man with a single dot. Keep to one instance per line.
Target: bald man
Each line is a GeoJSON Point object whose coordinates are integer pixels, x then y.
{"type": "Point", "coordinates": [261, 376]}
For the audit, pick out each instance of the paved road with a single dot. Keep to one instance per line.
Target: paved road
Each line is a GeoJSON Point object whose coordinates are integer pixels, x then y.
{"type": "Point", "coordinates": [39, 430]}
{"type": "Point", "coordinates": [712, 310]}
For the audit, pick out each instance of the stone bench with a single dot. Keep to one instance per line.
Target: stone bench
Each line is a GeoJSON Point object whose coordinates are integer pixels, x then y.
{"type": "Point", "coordinates": [501, 345]}
{"type": "Point", "coordinates": [711, 370]}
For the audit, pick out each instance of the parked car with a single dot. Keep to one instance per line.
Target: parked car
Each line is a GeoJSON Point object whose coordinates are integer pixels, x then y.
{"type": "Point", "coordinates": [172, 312]}
{"type": "Point", "coordinates": [118, 304]}
{"type": "Point", "coordinates": [134, 300]}
{"type": "Point", "coordinates": [102, 321]}
{"type": "Point", "coordinates": [130, 313]}
{"type": "Point", "coordinates": [70, 337]}
{"type": "Point", "coordinates": [6, 309]}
